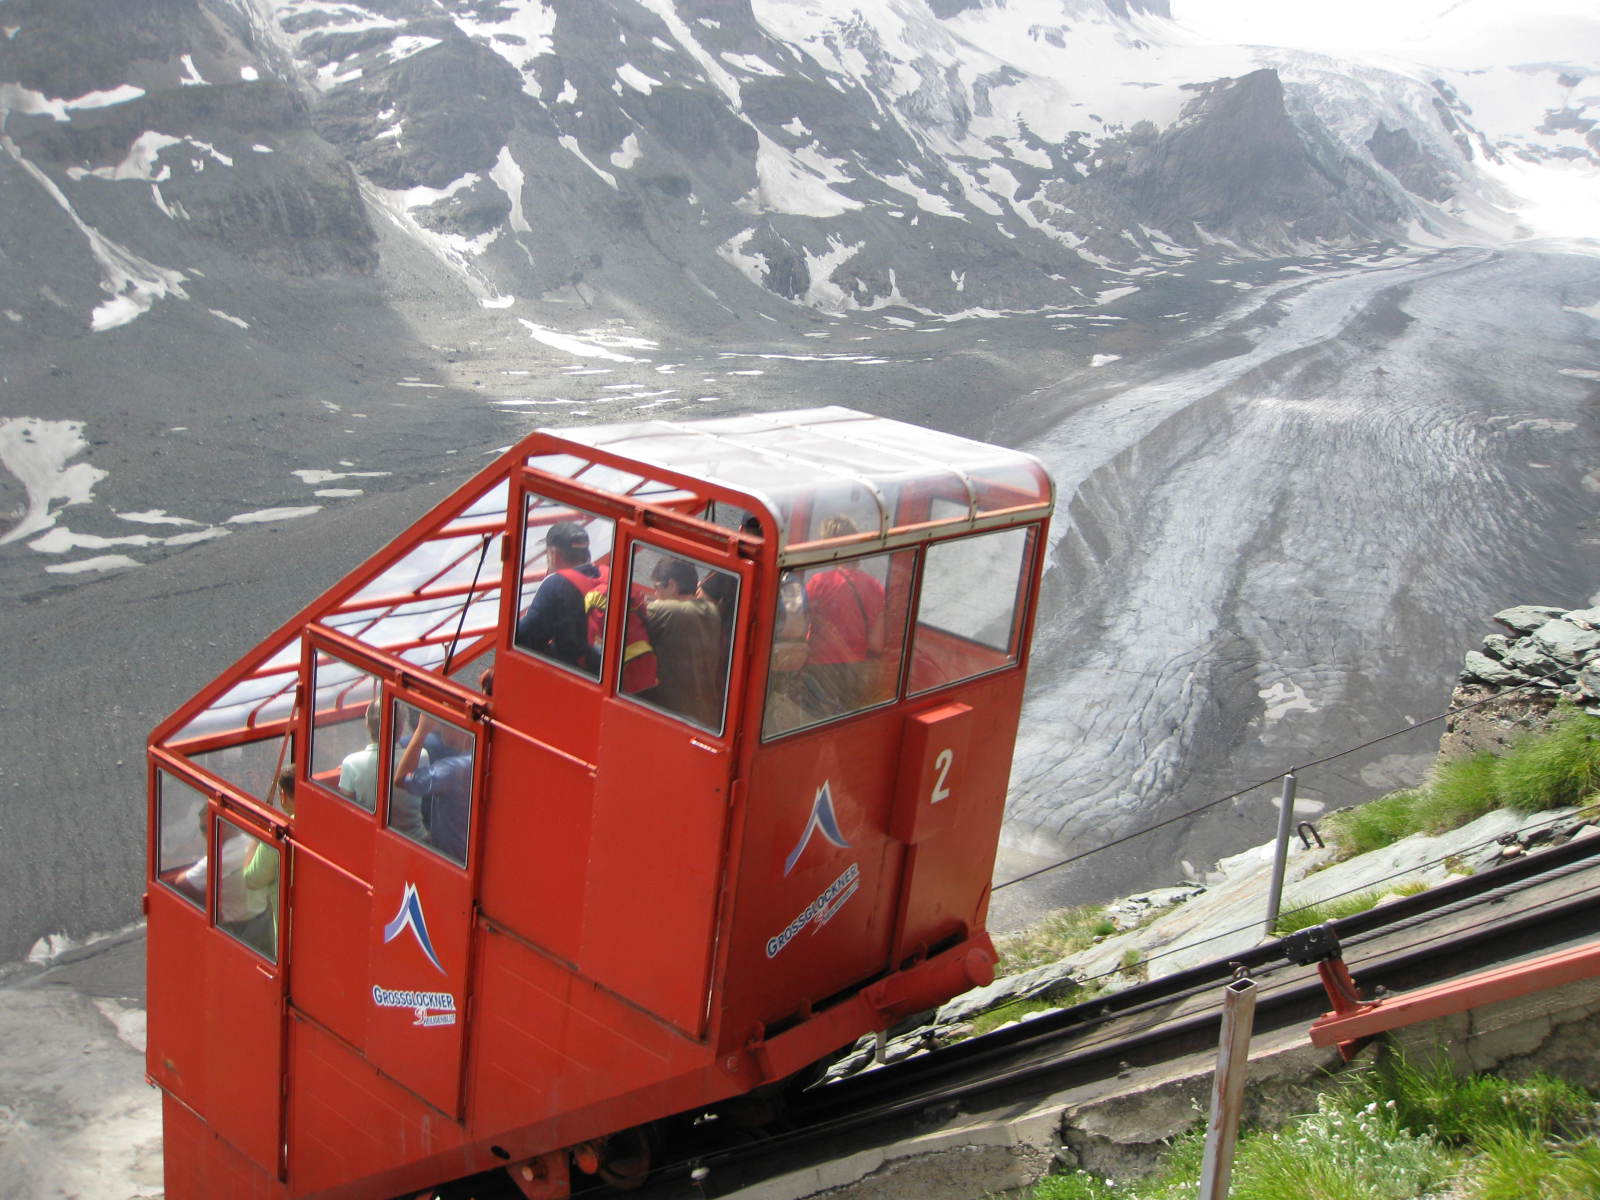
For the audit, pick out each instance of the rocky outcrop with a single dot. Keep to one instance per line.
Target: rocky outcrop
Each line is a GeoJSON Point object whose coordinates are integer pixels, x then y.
{"type": "Point", "coordinates": [1235, 165]}
{"type": "Point", "coordinates": [1513, 683]}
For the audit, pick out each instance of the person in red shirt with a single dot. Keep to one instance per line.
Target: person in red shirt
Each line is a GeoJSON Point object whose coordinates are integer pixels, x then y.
{"type": "Point", "coordinates": [845, 635]}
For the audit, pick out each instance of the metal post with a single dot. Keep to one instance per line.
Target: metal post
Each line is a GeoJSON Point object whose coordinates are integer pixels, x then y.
{"type": "Point", "coordinates": [1227, 1089]}
{"type": "Point", "coordinates": [1280, 852]}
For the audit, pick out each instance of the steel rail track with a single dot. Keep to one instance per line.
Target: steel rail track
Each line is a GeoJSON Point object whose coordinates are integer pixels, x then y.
{"type": "Point", "coordinates": [1162, 1019]}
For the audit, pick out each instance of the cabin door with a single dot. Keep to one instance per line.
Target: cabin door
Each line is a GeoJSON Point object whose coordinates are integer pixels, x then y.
{"type": "Point", "coordinates": [420, 933]}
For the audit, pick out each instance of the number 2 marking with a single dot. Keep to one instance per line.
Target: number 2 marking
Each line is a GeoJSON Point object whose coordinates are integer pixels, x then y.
{"type": "Point", "coordinates": [940, 792]}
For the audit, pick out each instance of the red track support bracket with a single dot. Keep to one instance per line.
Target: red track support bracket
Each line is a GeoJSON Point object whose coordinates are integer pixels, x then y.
{"type": "Point", "coordinates": [1352, 1023]}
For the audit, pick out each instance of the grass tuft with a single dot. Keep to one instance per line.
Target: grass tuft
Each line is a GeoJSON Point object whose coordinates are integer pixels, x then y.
{"type": "Point", "coordinates": [1459, 1111]}
{"type": "Point", "coordinates": [1461, 791]}
{"type": "Point", "coordinates": [1058, 935]}
{"type": "Point", "coordinates": [1556, 768]}
{"type": "Point", "coordinates": [1374, 825]}
{"type": "Point", "coordinates": [1340, 906]}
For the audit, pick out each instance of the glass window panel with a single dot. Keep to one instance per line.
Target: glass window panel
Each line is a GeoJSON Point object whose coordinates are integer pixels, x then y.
{"type": "Point", "coordinates": [430, 800]}
{"type": "Point", "coordinates": [565, 585]}
{"type": "Point", "coordinates": [344, 731]}
{"type": "Point", "coordinates": [250, 766]}
{"type": "Point", "coordinates": [247, 889]}
{"type": "Point", "coordinates": [181, 861]}
{"type": "Point", "coordinates": [838, 640]}
{"type": "Point", "coordinates": [687, 610]}
{"type": "Point", "coordinates": [970, 603]}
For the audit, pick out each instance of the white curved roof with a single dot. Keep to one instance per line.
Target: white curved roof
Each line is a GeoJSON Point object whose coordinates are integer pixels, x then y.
{"type": "Point", "coordinates": [887, 476]}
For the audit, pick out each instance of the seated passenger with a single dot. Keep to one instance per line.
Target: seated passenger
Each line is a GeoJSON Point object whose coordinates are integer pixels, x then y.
{"type": "Point", "coordinates": [261, 874]}
{"type": "Point", "coordinates": [358, 780]}
{"type": "Point", "coordinates": [567, 619]}
{"type": "Point", "coordinates": [686, 633]}
{"type": "Point", "coordinates": [447, 784]}
{"type": "Point", "coordinates": [845, 632]}
{"type": "Point", "coordinates": [558, 623]}
{"type": "Point", "coordinates": [237, 905]}
{"type": "Point", "coordinates": [723, 591]}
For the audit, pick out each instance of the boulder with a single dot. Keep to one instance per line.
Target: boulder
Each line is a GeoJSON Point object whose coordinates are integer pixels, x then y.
{"type": "Point", "coordinates": [1483, 669]}
{"type": "Point", "coordinates": [1585, 618]}
{"type": "Point", "coordinates": [1525, 618]}
{"type": "Point", "coordinates": [1565, 642]}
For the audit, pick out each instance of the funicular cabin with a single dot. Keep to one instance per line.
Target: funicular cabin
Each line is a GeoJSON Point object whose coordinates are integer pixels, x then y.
{"type": "Point", "coordinates": [658, 762]}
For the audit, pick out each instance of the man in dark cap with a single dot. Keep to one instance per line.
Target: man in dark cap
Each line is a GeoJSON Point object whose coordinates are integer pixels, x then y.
{"type": "Point", "coordinates": [557, 623]}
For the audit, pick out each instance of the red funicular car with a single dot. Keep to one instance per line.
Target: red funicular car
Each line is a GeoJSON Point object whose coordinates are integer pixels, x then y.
{"type": "Point", "coordinates": [658, 762]}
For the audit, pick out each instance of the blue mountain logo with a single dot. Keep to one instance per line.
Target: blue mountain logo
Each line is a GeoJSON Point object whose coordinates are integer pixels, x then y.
{"type": "Point", "coordinates": [823, 820]}
{"type": "Point", "coordinates": [410, 916]}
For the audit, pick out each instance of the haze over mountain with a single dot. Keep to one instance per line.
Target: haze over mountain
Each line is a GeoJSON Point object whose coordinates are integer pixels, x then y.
{"type": "Point", "coordinates": [1291, 329]}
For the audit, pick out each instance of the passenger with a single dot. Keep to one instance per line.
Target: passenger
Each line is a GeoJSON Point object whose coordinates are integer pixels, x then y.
{"type": "Point", "coordinates": [566, 621]}
{"type": "Point", "coordinates": [261, 874]}
{"type": "Point", "coordinates": [358, 780]}
{"type": "Point", "coordinates": [844, 636]}
{"type": "Point", "coordinates": [685, 630]}
{"type": "Point", "coordinates": [446, 782]}
{"type": "Point", "coordinates": [723, 591]}
{"type": "Point", "coordinates": [237, 904]}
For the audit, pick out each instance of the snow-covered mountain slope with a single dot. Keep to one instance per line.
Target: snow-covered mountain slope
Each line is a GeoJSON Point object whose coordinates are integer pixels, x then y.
{"type": "Point", "coordinates": [266, 266]}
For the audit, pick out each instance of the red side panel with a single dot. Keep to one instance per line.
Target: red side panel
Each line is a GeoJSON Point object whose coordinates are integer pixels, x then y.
{"type": "Point", "coordinates": [331, 921]}
{"type": "Point", "coordinates": [655, 865]}
{"type": "Point", "coordinates": [348, 1123]}
{"type": "Point", "coordinates": [198, 1165]}
{"type": "Point", "coordinates": [569, 1060]}
{"type": "Point", "coordinates": [178, 1003]}
{"type": "Point", "coordinates": [819, 875]}
{"type": "Point", "coordinates": [244, 1034]}
{"type": "Point", "coordinates": [946, 888]}
{"type": "Point", "coordinates": [536, 843]}
{"type": "Point", "coordinates": [215, 1027]}
{"type": "Point", "coordinates": [420, 933]}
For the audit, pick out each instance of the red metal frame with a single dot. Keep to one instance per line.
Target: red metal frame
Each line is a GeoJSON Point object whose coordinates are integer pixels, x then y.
{"type": "Point", "coordinates": [1354, 1020]}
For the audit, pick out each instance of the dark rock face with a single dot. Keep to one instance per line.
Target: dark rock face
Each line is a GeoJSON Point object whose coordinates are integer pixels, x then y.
{"type": "Point", "coordinates": [1237, 166]}
{"type": "Point", "coordinates": [1397, 150]}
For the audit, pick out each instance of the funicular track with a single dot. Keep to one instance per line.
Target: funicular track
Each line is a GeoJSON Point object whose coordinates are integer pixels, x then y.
{"type": "Point", "coordinates": [1524, 907]}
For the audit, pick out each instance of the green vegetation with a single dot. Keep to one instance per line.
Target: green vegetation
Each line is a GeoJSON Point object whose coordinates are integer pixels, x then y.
{"type": "Point", "coordinates": [1134, 967]}
{"type": "Point", "coordinates": [1058, 935]}
{"type": "Point", "coordinates": [1462, 790]}
{"type": "Point", "coordinates": [1340, 906]}
{"type": "Point", "coordinates": [1394, 1133]}
{"type": "Point", "coordinates": [1374, 825]}
{"type": "Point", "coordinates": [1015, 1010]}
{"type": "Point", "coordinates": [1552, 768]}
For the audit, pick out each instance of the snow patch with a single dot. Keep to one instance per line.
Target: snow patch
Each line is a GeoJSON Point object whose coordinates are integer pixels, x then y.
{"type": "Point", "coordinates": [751, 64]}
{"type": "Point", "coordinates": [404, 47]}
{"type": "Point", "coordinates": [117, 95]}
{"type": "Point", "coordinates": [570, 144]}
{"type": "Point", "coordinates": [37, 451]}
{"type": "Point", "coordinates": [822, 292]}
{"type": "Point", "coordinates": [509, 178]}
{"type": "Point", "coordinates": [589, 347]}
{"type": "Point", "coordinates": [103, 562]}
{"type": "Point", "coordinates": [627, 154]}
{"type": "Point", "coordinates": [263, 515]}
{"type": "Point", "coordinates": [797, 182]}
{"type": "Point", "coordinates": [154, 516]}
{"type": "Point", "coordinates": [1283, 698]}
{"type": "Point", "coordinates": [637, 79]}
{"type": "Point", "coordinates": [927, 201]}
